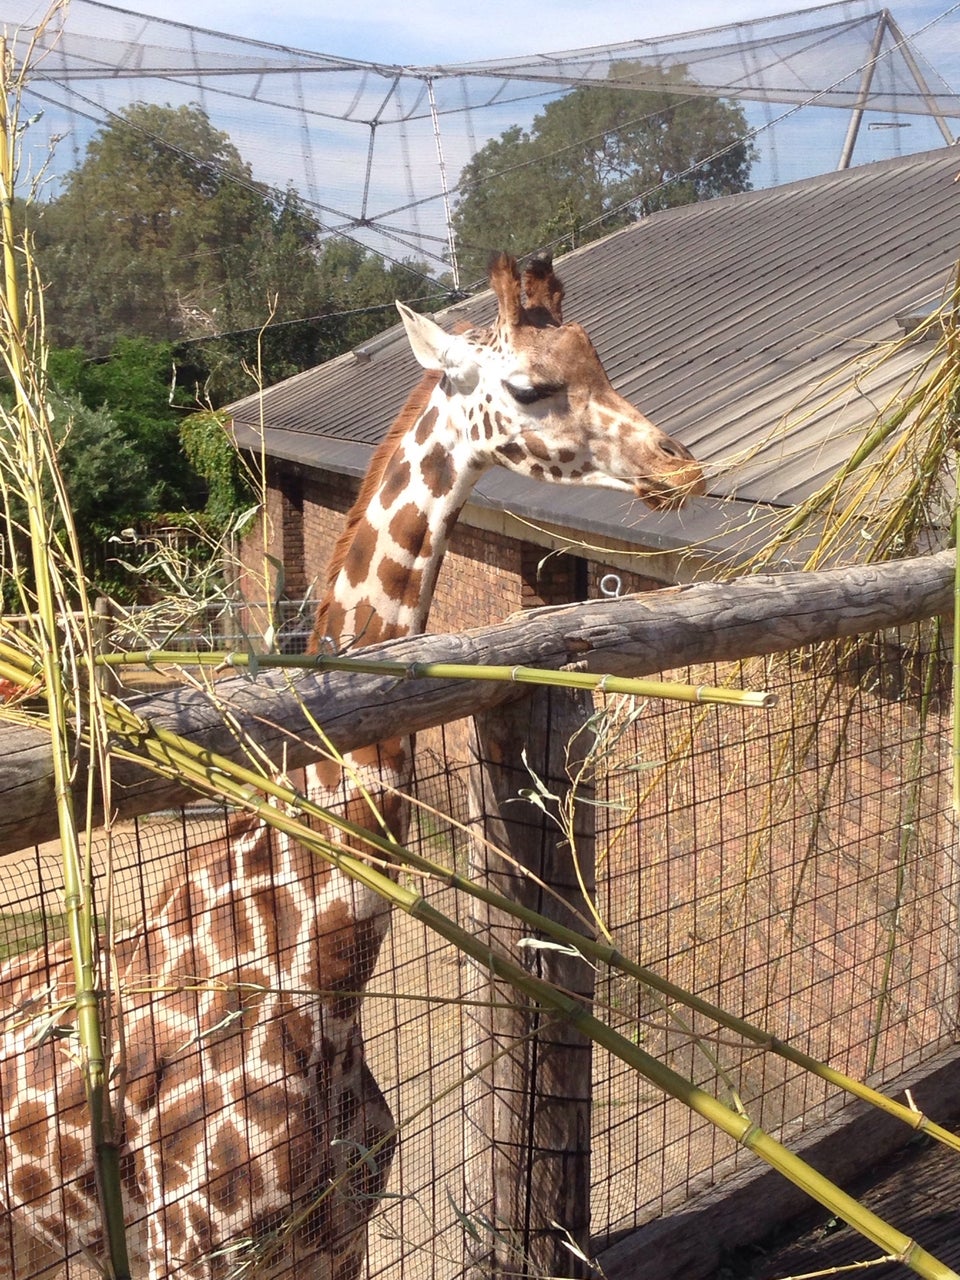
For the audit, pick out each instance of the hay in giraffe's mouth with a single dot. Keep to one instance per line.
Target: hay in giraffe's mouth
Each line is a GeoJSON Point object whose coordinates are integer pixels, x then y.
{"type": "Point", "coordinates": [672, 492]}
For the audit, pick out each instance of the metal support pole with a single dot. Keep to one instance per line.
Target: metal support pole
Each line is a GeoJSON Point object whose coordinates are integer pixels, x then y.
{"type": "Point", "coordinates": [451, 242]}
{"type": "Point", "coordinates": [918, 77]}
{"type": "Point", "coordinates": [866, 79]}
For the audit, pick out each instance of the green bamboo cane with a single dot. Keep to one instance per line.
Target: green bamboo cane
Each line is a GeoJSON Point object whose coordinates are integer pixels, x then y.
{"type": "Point", "coordinates": [956, 664]}
{"type": "Point", "coordinates": [77, 902]}
{"type": "Point", "coordinates": [879, 434]}
{"type": "Point", "coordinates": [735, 1124]}
{"type": "Point", "coordinates": [177, 757]}
{"type": "Point", "coordinates": [640, 688]}
{"type": "Point", "coordinates": [184, 759]}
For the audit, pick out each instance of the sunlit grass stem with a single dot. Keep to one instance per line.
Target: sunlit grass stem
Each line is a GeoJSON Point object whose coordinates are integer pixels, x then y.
{"type": "Point", "coordinates": [21, 350]}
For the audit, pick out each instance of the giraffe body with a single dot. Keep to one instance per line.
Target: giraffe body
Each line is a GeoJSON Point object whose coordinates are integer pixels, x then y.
{"type": "Point", "coordinates": [247, 1116]}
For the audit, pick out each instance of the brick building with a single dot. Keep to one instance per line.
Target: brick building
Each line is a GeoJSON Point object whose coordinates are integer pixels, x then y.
{"type": "Point", "coordinates": [729, 323]}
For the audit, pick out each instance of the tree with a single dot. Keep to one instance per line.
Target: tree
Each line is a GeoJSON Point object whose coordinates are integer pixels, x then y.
{"type": "Point", "coordinates": [161, 232]}
{"type": "Point", "coordinates": [352, 294]}
{"type": "Point", "coordinates": [596, 159]}
{"type": "Point", "coordinates": [107, 482]}
{"type": "Point", "coordinates": [207, 444]}
{"type": "Point", "coordinates": [136, 388]}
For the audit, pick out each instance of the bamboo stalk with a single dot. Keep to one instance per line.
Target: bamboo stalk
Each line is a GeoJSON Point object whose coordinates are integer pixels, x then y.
{"type": "Point", "coordinates": [220, 777]}
{"type": "Point", "coordinates": [734, 1123]}
{"type": "Point", "coordinates": [30, 419]}
{"type": "Point", "coordinates": [955, 725]}
{"type": "Point", "coordinates": [640, 688]}
{"type": "Point", "coordinates": [165, 751]}
{"type": "Point", "coordinates": [185, 759]}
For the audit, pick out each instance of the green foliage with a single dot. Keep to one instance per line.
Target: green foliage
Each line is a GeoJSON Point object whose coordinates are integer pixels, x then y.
{"type": "Point", "coordinates": [107, 480]}
{"type": "Point", "coordinates": [175, 280]}
{"type": "Point", "coordinates": [596, 159]}
{"type": "Point", "coordinates": [116, 428]}
{"type": "Point", "coordinates": [213, 456]}
{"type": "Point", "coordinates": [162, 233]}
{"type": "Point", "coordinates": [138, 385]}
{"type": "Point", "coordinates": [351, 298]}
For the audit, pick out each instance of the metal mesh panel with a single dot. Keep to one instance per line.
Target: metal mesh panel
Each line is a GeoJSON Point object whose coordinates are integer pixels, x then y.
{"type": "Point", "coordinates": [362, 142]}
{"type": "Point", "coordinates": [795, 866]}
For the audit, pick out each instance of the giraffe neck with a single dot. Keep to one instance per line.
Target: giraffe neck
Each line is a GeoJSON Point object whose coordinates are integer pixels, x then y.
{"type": "Point", "coordinates": [385, 568]}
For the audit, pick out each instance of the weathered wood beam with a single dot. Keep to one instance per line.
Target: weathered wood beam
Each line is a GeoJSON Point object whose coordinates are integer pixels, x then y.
{"type": "Point", "coordinates": [637, 636]}
{"type": "Point", "coordinates": [528, 1103]}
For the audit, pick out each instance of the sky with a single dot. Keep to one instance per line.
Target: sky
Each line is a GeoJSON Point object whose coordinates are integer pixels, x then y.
{"type": "Point", "coordinates": [426, 31]}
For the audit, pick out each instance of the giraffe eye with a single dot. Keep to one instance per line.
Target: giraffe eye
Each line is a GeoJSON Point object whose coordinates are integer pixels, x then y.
{"type": "Point", "coordinates": [526, 392]}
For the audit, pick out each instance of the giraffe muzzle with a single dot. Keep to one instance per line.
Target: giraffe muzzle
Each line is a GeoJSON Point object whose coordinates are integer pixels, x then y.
{"type": "Point", "coordinates": [670, 491]}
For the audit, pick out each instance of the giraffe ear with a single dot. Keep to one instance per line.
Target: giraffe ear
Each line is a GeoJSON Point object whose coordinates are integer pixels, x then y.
{"type": "Point", "coordinates": [436, 349]}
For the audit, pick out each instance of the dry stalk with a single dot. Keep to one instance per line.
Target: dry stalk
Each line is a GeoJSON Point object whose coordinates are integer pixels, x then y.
{"type": "Point", "coordinates": [61, 641]}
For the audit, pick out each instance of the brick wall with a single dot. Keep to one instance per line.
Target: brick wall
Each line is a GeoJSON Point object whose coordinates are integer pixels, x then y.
{"type": "Point", "coordinates": [485, 576]}
{"type": "Point", "coordinates": [326, 500]}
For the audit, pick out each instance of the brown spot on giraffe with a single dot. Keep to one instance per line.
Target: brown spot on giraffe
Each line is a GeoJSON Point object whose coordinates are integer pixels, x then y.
{"type": "Point", "coordinates": [409, 529]}
{"type": "Point", "coordinates": [230, 1171]}
{"type": "Point", "coordinates": [396, 483]}
{"type": "Point", "coordinates": [73, 1153]}
{"type": "Point", "coordinates": [328, 773]}
{"type": "Point", "coordinates": [54, 1225]}
{"type": "Point", "coordinates": [397, 579]}
{"type": "Point", "coordinates": [436, 467]}
{"type": "Point", "coordinates": [372, 628]}
{"type": "Point", "coordinates": [280, 917]}
{"type": "Point", "coordinates": [30, 1127]}
{"type": "Point", "coordinates": [535, 446]}
{"type": "Point", "coordinates": [426, 426]}
{"type": "Point", "coordinates": [268, 1107]}
{"type": "Point", "coordinates": [357, 561]}
{"type": "Point", "coordinates": [332, 624]}
{"type": "Point", "coordinates": [512, 451]}
{"type": "Point", "coordinates": [31, 1182]}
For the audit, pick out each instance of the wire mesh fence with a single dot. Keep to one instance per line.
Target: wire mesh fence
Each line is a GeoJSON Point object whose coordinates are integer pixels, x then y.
{"type": "Point", "coordinates": [796, 866]}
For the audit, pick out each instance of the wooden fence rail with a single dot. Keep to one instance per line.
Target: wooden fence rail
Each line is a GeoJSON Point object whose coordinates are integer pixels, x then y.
{"type": "Point", "coordinates": [634, 636]}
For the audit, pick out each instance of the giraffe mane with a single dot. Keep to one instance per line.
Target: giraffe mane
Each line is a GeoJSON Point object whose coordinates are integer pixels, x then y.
{"type": "Point", "coordinates": [415, 404]}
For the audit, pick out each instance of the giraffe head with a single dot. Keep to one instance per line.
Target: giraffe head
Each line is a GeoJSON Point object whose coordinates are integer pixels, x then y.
{"type": "Point", "coordinates": [533, 396]}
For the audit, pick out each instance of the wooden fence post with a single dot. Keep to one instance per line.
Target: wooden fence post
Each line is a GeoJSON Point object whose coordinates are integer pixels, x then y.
{"type": "Point", "coordinates": [527, 1157]}
{"type": "Point", "coordinates": [108, 679]}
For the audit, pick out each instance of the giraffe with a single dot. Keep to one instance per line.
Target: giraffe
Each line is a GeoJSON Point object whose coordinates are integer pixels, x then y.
{"type": "Point", "coordinates": [247, 1115]}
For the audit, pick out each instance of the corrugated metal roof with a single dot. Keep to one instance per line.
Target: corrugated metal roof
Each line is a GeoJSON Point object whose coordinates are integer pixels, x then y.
{"type": "Point", "coordinates": [719, 320]}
